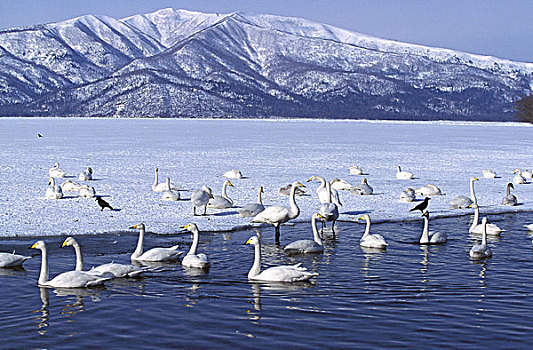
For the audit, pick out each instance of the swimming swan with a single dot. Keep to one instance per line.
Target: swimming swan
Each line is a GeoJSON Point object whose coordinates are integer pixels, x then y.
{"type": "Point", "coordinates": [408, 195]}
{"type": "Point", "coordinates": [481, 251]}
{"type": "Point", "coordinates": [198, 261]}
{"type": "Point", "coordinates": [223, 201]}
{"type": "Point", "coordinates": [252, 209]}
{"type": "Point", "coordinates": [322, 192]}
{"type": "Point", "coordinates": [161, 187]}
{"type": "Point", "coordinates": [56, 172]}
{"type": "Point", "coordinates": [461, 202]}
{"type": "Point", "coordinates": [12, 260]}
{"type": "Point", "coordinates": [305, 246]}
{"type": "Point", "coordinates": [371, 240]}
{"type": "Point", "coordinates": [86, 175]}
{"type": "Point", "coordinates": [70, 279]}
{"type": "Point", "coordinates": [200, 198]}
{"type": "Point", "coordinates": [154, 254]}
{"type": "Point", "coordinates": [53, 191]}
{"type": "Point", "coordinates": [510, 199]}
{"type": "Point", "coordinates": [170, 194]}
{"type": "Point", "coordinates": [431, 237]}
{"type": "Point", "coordinates": [104, 270]}
{"type": "Point", "coordinates": [284, 273]}
{"type": "Point", "coordinates": [403, 175]}
{"type": "Point", "coordinates": [476, 227]}
{"type": "Point", "coordinates": [233, 174]}
{"type": "Point", "coordinates": [278, 214]}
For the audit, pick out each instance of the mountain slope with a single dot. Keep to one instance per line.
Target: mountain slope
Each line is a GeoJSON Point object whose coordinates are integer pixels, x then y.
{"type": "Point", "coordinates": [180, 63]}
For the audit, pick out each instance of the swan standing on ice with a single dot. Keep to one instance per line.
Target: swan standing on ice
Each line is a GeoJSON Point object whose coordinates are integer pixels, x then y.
{"type": "Point", "coordinates": [70, 186]}
{"type": "Point", "coordinates": [322, 192]}
{"type": "Point", "coordinates": [154, 254]}
{"type": "Point", "coordinates": [363, 189]}
{"type": "Point", "coordinates": [518, 178]}
{"type": "Point", "coordinates": [86, 175]}
{"type": "Point", "coordinates": [461, 202]}
{"type": "Point", "coordinates": [200, 198]}
{"type": "Point", "coordinates": [12, 260]}
{"type": "Point", "coordinates": [198, 261]}
{"type": "Point", "coordinates": [169, 194]}
{"type": "Point", "coordinates": [284, 273]}
{"type": "Point", "coordinates": [305, 246]}
{"type": "Point", "coordinates": [403, 175]}
{"type": "Point", "coordinates": [56, 172]}
{"type": "Point", "coordinates": [371, 240]}
{"type": "Point", "coordinates": [70, 279]}
{"type": "Point", "coordinates": [161, 187]}
{"type": "Point", "coordinates": [278, 214]}
{"type": "Point", "coordinates": [233, 174]}
{"type": "Point", "coordinates": [223, 201]}
{"type": "Point", "coordinates": [476, 227]}
{"type": "Point", "coordinates": [489, 174]}
{"type": "Point", "coordinates": [252, 209]}
{"type": "Point", "coordinates": [481, 251]}
{"type": "Point", "coordinates": [355, 170]}
{"type": "Point", "coordinates": [53, 191]}
{"type": "Point", "coordinates": [87, 191]}
{"type": "Point", "coordinates": [104, 270]}
{"type": "Point", "coordinates": [431, 237]}
{"type": "Point", "coordinates": [428, 190]}
{"type": "Point", "coordinates": [510, 199]}
{"type": "Point", "coordinates": [408, 195]}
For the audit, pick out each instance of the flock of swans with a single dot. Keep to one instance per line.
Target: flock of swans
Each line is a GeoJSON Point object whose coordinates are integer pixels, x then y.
{"type": "Point", "coordinates": [327, 212]}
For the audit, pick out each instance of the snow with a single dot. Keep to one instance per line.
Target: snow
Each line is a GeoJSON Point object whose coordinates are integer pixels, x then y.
{"type": "Point", "coordinates": [124, 152]}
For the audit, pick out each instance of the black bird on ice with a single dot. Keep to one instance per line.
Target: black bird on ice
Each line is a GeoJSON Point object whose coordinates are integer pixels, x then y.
{"type": "Point", "coordinates": [422, 206]}
{"type": "Point", "coordinates": [102, 203]}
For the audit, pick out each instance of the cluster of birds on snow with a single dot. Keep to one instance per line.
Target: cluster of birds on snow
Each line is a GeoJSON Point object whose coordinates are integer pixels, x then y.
{"type": "Point", "coordinates": [275, 215]}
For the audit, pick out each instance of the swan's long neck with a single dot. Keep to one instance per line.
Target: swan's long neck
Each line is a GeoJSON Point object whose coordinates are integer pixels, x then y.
{"type": "Point", "coordinates": [79, 258]}
{"type": "Point", "coordinates": [139, 250]}
{"type": "Point", "coordinates": [259, 200]}
{"type": "Point", "coordinates": [367, 230]}
{"type": "Point", "coordinates": [256, 267]}
{"type": "Point", "coordinates": [484, 238]}
{"type": "Point", "coordinates": [295, 210]}
{"type": "Point", "coordinates": [328, 188]}
{"type": "Point", "coordinates": [472, 193]}
{"type": "Point", "coordinates": [322, 184]}
{"type": "Point", "coordinates": [43, 276]}
{"type": "Point", "coordinates": [195, 239]}
{"type": "Point", "coordinates": [168, 183]}
{"type": "Point", "coordinates": [156, 178]}
{"type": "Point", "coordinates": [425, 231]}
{"type": "Point", "coordinates": [475, 222]}
{"type": "Point", "coordinates": [508, 189]}
{"type": "Point", "coordinates": [316, 236]}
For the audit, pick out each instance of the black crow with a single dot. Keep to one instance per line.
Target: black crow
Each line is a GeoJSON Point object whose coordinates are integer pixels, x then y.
{"type": "Point", "coordinates": [422, 206]}
{"type": "Point", "coordinates": [102, 203]}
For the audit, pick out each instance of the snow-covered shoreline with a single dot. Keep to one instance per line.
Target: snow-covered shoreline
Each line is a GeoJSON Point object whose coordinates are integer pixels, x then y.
{"type": "Point", "coordinates": [272, 153]}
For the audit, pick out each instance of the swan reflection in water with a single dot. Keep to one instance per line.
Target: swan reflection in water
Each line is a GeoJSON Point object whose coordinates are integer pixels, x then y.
{"type": "Point", "coordinates": [42, 319]}
{"type": "Point", "coordinates": [371, 254]}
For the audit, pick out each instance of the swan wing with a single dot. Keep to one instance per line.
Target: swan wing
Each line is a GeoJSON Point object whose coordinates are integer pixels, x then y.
{"type": "Point", "coordinates": [304, 246]}
{"type": "Point", "coordinates": [199, 261]}
{"type": "Point", "coordinates": [285, 273]}
{"type": "Point", "coordinates": [461, 202]}
{"type": "Point", "coordinates": [117, 270]}
{"type": "Point", "coordinates": [160, 254]}
{"type": "Point", "coordinates": [219, 202]}
{"type": "Point", "coordinates": [273, 214]}
{"type": "Point", "coordinates": [75, 279]}
{"type": "Point", "coordinates": [251, 209]}
{"type": "Point", "coordinates": [374, 241]}
{"type": "Point", "coordinates": [12, 260]}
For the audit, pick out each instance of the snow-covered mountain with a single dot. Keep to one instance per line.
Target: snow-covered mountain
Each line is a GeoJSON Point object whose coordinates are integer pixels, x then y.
{"type": "Point", "coordinates": [174, 63]}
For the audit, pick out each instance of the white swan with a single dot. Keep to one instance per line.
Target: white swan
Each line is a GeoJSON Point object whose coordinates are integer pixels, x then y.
{"type": "Point", "coordinates": [476, 227]}
{"type": "Point", "coordinates": [170, 194]}
{"type": "Point", "coordinates": [70, 186]}
{"type": "Point", "coordinates": [161, 187]}
{"type": "Point", "coordinates": [154, 254]}
{"type": "Point", "coordinates": [86, 175]}
{"type": "Point", "coordinates": [284, 273]}
{"type": "Point", "coordinates": [355, 170]}
{"type": "Point", "coordinates": [363, 189]}
{"type": "Point", "coordinates": [53, 191]}
{"type": "Point", "coordinates": [113, 270]}
{"type": "Point", "coordinates": [252, 209]}
{"type": "Point", "coordinates": [306, 245]}
{"type": "Point", "coordinates": [322, 192]}
{"type": "Point", "coordinates": [403, 175]}
{"type": "Point", "coordinates": [70, 279]}
{"type": "Point", "coordinates": [223, 201]}
{"type": "Point", "coordinates": [518, 178]}
{"type": "Point", "coordinates": [329, 211]}
{"type": "Point", "coordinates": [233, 174]}
{"type": "Point", "coordinates": [408, 195]}
{"type": "Point", "coordinates": [428, 190]}
{"type": "Point", "coordinates": [286, 191]}
{"type": "Point", "coordinates": [489, 174]}
{"type": "Point", "coordinates": [431, 237]}
{"type": "Point", "coordinates": [481, 251]}
{"type": "Point", "coordinates": [461, 202]}
{"type": "Point", "coordinates": [371, 240]}
{"type": "Point", "coordinates": [529, 227]}
{"type": "Point", "coordinates": [200, 198]}
{"type": "Point", "coordinates": [87, 191]}
{"type": "Point", "coordinates": [56, 172]}
{"type": "Point", "coordinates": [198, 261]}
{"type": "Point", "coordinates": [527, 174]}
{"type": "Point", "coordinates": [278, 214]}
{"type": "Point", "coordinates": [340, 185]}
{"type": "Point", "coordinates": [510, 199]}
{"type": "Point", "coordinates": [12, 260]}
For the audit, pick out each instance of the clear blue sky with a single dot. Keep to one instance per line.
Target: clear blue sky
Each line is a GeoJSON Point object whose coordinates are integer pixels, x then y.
{"type": "Point", "coordinates": [502, 28]}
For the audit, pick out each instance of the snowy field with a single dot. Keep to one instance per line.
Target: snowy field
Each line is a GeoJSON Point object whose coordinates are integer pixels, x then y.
{"type": "Point", "coordinates": [272, 153]}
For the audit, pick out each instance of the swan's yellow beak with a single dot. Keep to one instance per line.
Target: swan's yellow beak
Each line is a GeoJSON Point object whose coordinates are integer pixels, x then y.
{"type": "Point", "coordinates": [311, 179]}
{"type": "Point", "coordinates": [300, 184]}
{"type": "Point", "coordinates": [187, 226]}
{"type": "Point", "coordinates": [361, 218]}
{"type": "Point", "coordinates": [476, 179]}
{"type": "Point", "coordinates": [320, 216]}
{"type": "Point", "coordinates": [34, 246]}
{"type": "Point", "coordinates": [248, 241]}
{"type": "Point", "coordinates": [134, 226]}
{"type": "Point", "coordinates": [229, 183]}
{"type": "Point", "coordinates": [64, 244]}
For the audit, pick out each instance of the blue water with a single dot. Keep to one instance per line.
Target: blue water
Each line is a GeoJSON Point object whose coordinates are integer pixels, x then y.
{"type": "Point", "coordinates": [408, 296]}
